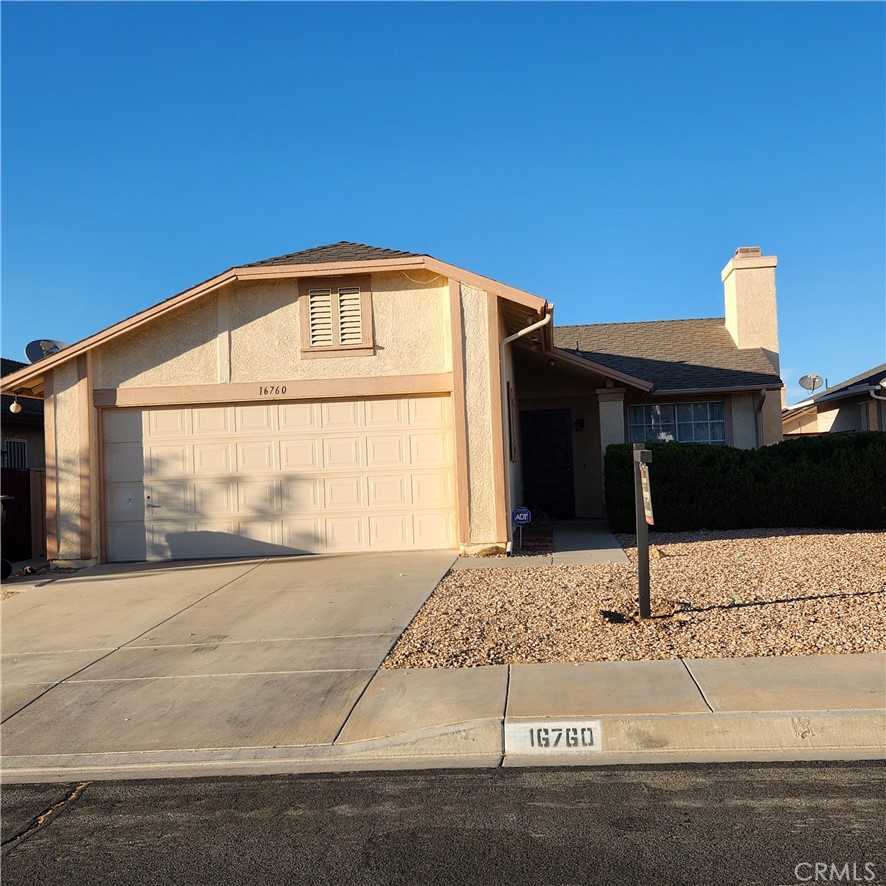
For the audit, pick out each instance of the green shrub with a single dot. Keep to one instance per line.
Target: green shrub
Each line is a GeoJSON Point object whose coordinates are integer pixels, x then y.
{"type": "Point", "coordinates": [834, 480]}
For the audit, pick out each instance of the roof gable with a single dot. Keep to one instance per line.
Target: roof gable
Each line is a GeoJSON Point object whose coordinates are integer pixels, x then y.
{"type": "Point", "coordinates": [675, 355]}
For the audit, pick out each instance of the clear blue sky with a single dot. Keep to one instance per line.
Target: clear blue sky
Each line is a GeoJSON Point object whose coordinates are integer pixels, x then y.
{"type": "Point", "coordinates": [609, 157]}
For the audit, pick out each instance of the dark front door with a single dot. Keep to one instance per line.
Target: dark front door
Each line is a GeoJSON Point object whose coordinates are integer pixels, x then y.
{"type": "Point", "coordinates": [546, 442]}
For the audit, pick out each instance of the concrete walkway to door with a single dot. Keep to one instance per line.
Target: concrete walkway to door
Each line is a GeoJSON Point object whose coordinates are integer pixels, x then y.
{"type": "Point", "coordinates": [179, 656]}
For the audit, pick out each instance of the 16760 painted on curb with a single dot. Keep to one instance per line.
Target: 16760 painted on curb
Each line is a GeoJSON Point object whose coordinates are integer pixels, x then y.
{"type": "Point", "coordinates": [553, 736]}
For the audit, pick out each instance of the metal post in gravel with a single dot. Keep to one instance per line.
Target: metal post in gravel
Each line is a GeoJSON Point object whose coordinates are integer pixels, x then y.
{"type": "Point", "coordinates": [643, 508]}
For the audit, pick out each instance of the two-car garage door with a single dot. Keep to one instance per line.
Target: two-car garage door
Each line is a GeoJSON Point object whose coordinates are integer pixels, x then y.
{"type": "Point", "coordinates": [279, 478]}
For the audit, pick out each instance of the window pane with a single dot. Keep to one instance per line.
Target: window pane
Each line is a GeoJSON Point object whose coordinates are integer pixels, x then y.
{"type": "Point", "coordinates": [716, 410]}
{"type": "Point", "coordinates": [718, 432]}
{"type": "Point", "coordinates": [665, 412]}
{"type": "Point", "coordinates": [702, 433]}
{"type": "Point", "coordinates": [684, 432]}
{"type": "Point", "coordinates": [684, 412]}
{"type": "Point", "coordinates": [666, 433]}
{"type": "Point", "coordinates": [700, 411]}
{"type": "Point", "coordinates": [636, 415]}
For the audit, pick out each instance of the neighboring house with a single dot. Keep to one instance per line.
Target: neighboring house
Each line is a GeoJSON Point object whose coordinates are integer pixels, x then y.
{"type": "Point", "coordinates": [350, 398]}
{"type": "Point", "coordinates": [23, 465]}
{"type": "Point", "coordinates": [847, 406]}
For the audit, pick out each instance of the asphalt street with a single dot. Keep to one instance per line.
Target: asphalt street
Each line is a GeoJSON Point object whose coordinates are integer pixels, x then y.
{"type": "Point", "coordinates": [683, 824]}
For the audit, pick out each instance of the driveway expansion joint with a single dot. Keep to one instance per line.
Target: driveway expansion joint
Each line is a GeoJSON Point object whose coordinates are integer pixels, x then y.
{"type": "Point", "coordinates": [697, 686]}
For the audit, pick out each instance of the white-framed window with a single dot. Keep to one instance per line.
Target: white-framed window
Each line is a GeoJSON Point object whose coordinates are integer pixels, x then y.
{"type": "Point", "coordinates": [15, 454]}
{"type": "Point", "coordinates": [336, 317]}
{"type": "Point", "coordinates": [678, 422]}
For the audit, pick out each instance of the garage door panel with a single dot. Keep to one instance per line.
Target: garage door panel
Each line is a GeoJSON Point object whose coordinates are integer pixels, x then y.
{"type": "Point", "coordinates": [259, 530]}
{"type": "Point", "coordinates": [298, 417]}
{"type": "Point", "coordinates": [386, 451]}
{"type": "Point", "coordinates": [168, 501]}
{"type": "Point", "coordinates": [342, 453]}
{"type": "Point", "coordinates": [433, 530]}
{"type": "Point", "coordinates": [169, 422]}
{"type": "Point", "coordinates": [343, 492]}
{"type": "Point", "coordinates": [342, 415]}
{"type": "Point", "coordinates": [213, 497]}
{"type": "Point", "coordinates": [432, 490]}
{"type": "Point", "coordinates": [264, 478]}
{"type": "Point", "coordinates": [387, 491]}
{"type": "Point", "coordinates": [303, 535]}
{"type": "Point", "coordinates": [253, 418]}
{"type": "Point", "coordinates": [299, 455]}
{"type": "Point", "coordinates": [211, 420]}
{"type": "Point", "coordinates": [429, 411]}
{"type": "Point", "coordinates": [168, 460]}
{"type": "Point", "coordinates": [344, 533]}
{"type": "Point", "coordinates": [258, 497]}
{"type": "Point", "coordinates": [123, 426]}
{"type": "Point", "coordinates": [389, 532]}
{"type": "Point", "coordinates": [125, 501]}
{"type": "Point", "coordinates": [127, 542]}
{"type": "Point", "coordinates": [384, 414]}
{"type": "Point", "coordinates": [212, 458]}
{"type": "Point", "coordinates": [258, 456]}
{"type": "Point", "coordinates": [301, 494]}
{"type": "Point", "coordinates": [430, 450]}
{"type": "Point", "coordinates": [124, 461]}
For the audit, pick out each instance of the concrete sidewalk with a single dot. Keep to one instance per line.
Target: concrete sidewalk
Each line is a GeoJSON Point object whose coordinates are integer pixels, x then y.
{"type": "Point", "coordinates": [271, 666]}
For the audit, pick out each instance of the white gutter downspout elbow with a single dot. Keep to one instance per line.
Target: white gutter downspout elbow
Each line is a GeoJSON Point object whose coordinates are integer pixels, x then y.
{"type": "Point", "coordinates": [504, 406]}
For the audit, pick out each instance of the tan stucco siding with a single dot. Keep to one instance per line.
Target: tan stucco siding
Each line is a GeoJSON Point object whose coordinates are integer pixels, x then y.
{"type": "Point", "coordinates": [410, 332]}
{"type": "Point", "coordinates": [744, 421]}
{"type": "Point", "coordinates": [479, 413]}
{"type": "Point", "coordinates": [771, 419]}
{"type": "Point", "coordinates": [67, 457]}
{"type": "Point", "coordinates": [178, 349]}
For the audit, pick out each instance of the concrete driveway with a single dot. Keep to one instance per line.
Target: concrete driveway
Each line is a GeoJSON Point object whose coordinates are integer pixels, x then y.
{"type": "Point", "coordinates": [177, 656]}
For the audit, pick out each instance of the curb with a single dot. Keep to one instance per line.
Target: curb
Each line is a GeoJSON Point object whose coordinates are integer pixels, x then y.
{"type": "Point", "coordinates": [655, 738]}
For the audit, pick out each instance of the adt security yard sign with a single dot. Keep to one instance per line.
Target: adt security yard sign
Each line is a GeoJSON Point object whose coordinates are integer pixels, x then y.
{"type": "Point", "coordinates": [521, 517]}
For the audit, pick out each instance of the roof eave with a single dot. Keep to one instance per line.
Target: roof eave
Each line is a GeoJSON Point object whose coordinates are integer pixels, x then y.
{"type": "Point", "coordinates": [601, 369]}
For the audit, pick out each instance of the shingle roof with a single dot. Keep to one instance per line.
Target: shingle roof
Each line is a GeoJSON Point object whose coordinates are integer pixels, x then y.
{"type": "Point", "coordinates": [334, 252]}
{"type": "Point", "coordinates": [672, 354]}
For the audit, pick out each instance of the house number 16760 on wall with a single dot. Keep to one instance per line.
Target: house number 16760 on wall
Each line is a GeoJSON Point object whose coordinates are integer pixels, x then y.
{"type": "Point", "coordinates": [265, 390]}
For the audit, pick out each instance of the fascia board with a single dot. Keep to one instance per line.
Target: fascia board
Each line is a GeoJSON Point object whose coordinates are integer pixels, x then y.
{"type": "Point", "coordinates": [526, 299]}
{"type": "Point", "coordinates": [735, 389]}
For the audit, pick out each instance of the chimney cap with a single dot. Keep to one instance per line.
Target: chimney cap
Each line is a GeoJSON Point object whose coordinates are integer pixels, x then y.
{"type": "Point", "coordinates": [743, 251]}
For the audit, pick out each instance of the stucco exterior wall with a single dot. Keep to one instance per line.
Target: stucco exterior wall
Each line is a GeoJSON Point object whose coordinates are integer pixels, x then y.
{"type": "Point", "coordinates": [744, 421]}
{"type": "Point", "coordinates": [180, 349]}
{"type": "Point", "coordinates": [771, 419]}
{"type": "Point", "coordinates": [410, 322]}
{"type": "Point", "coordinates": [479, 416]}
{"type": "Point", "coordinates": [261, 322]}
{"type": "Point", "coordinates": [67, 456]}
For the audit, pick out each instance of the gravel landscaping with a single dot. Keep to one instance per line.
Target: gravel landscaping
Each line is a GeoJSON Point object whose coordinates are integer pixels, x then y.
{"type": "Point", "coordinates": [714, 595]}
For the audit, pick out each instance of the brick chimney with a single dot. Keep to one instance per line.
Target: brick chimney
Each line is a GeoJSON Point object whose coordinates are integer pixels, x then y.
{"type": "Point", "coordinates": [749, 289]}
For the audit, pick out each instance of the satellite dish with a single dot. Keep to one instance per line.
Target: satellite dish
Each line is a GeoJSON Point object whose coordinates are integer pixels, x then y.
{"type": "Point", "coordinates": [811, 382]}
{"type": "Point", "coordinates": [43, 347]}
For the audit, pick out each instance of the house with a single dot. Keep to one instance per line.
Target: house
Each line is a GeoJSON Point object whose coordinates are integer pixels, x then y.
{"type": "Point", "coordinates": [23, 472]}
{"type": "Point", "coordinates": [348, 398]}
{"type": "Point", "coordinates": [857, 404]}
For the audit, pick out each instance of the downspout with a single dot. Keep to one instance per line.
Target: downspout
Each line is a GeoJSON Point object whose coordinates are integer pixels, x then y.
{"type": "Point", "coordinates": [504, 406]}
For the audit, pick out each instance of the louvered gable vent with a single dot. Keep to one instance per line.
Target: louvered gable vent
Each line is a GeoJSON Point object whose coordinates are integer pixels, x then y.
{"type": "Point", "coordinates": [320, 311]}
{"type": "Point", "coordinates": [349, 316]}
